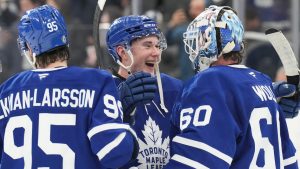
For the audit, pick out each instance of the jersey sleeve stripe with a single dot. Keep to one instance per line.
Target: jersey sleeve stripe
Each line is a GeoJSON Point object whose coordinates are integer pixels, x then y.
{"type": "Point", "coordinates": [105, 150]}
{"type": "Point", "coordinates": [188, 162]}
{"type": "Point", "coordinates": [290, 161]}
{"type": "Point", "coordinates": [203, 146]}
{"type": "Point", "coordinates": [110, 126]}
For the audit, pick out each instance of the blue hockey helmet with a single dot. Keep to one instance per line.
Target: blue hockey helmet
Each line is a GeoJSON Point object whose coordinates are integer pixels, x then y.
{"type": "Point", "coordinates": [215, 31]}
{"type": "Point", "coordinates": [42, 29]}
{"type": "Point", "coordinates": [127, 28]}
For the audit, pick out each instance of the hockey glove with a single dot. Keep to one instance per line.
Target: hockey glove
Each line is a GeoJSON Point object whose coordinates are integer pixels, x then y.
{"type": "Point", "coordinates": [283, 89]}
{"type": "Point", "coordinates": [139, 87]}
{"type": "Point", "coordinates": [290, 106]}
{"type": "Point", "coordinates": [289, 99]}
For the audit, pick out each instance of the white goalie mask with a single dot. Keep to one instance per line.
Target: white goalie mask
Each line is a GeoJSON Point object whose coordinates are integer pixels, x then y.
{"type": "Point", "coordinates": [215, 31]}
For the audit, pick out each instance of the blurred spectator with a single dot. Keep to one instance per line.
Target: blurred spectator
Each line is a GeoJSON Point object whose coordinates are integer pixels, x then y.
{"type": "Point", "coordinates": [273, 13]}
{"type": "Point", "coordinates": [154, 5]}
{"type": "Point", "coordinates": [176, 27]}
{"type": "Point", "coordinates": [260, 56]}
{"type": "Point", "coordinates": [8, 13]}
{"type": "Point", "coordinates": [9, 54]}
{"type": "Point", "coordinates": [83, 10]}
{"type": "Point", "coordinates": [264, 59]}
{"type": "Point", "coordinates": [169, 6]}
{"type": "Point", "coordinates": [109, 13]}
{"type": "Point", "coordinates": [91, 57]}
{"type": "Point", "coordinates": [121, 4]}
{"type": "Point", "coordinates": [253, 22]}
{"type": "Point", "coordinates": [79, 20]}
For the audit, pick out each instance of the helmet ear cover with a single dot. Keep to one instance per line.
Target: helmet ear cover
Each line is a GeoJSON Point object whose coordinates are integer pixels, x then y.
{"type": "Point", "coordinates": [22, 44]}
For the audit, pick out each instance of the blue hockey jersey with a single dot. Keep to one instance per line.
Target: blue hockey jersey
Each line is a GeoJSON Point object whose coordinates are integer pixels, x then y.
{"type": "Point", "coordinates": [63, 118]}
{"type": "Point", "coordinates": [229, 118]}
{"type": "Point", "coordinates": [152, 126]}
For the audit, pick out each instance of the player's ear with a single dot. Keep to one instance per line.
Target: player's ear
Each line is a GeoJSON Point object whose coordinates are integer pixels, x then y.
{"type": "Point", "coordinates": [122, 53]}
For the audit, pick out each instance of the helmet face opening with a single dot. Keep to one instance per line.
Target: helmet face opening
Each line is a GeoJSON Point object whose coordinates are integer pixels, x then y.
{"type": "Point", "coordinates": [42, 29]}
{"type": "Point", "coordinates": [128, 28]}
{"type": "Point", "coordinates": [216, 31]}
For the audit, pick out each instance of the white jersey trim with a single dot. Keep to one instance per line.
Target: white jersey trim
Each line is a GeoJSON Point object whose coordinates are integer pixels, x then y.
{"type": "Point", "coordinates": [105, 150]}
{"type": "Point", "coordinates": [49, 69]}
{"type": "Point", "coordinates": [239, 66]}
{"type": "Point", "coordinates": [203, 146]}
{"type": "Point", "coordinates": [188, 162]}
{"type": "Point", "coordinates": [110, 126]}
{"type": "Point", "coordinates": [290, 161]}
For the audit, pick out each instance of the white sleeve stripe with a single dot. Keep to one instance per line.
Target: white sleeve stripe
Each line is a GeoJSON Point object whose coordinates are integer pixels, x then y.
{"type": "Point", "coordinates": [203, 146]}
{"type": "Point", "coordinates": [105, 150]}
{"type": "Point", "coordinates": [289, 161]}
{"type": "Point", "coordinates": [188, 162]}
{"type": "Point", "coordinates": [110, 126]}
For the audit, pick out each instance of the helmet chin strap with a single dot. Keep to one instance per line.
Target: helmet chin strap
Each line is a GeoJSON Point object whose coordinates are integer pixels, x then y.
{"type": "Point", "coordinates": [31, 60]}
{"type": "Point", "coordinates": [159, 83]}
{"type": "Point", "coordinates": [128, 68]}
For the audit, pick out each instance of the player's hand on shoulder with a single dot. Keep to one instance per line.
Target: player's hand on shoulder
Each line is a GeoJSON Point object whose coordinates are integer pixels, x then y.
{"type": "Point", "coordinates": [288, 98]}
{"type": "Point", "coordinates": [139, 87]}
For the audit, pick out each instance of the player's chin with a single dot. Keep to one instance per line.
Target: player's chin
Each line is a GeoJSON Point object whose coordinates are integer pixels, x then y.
{"type": "Point", "coordinates": [149, 69]}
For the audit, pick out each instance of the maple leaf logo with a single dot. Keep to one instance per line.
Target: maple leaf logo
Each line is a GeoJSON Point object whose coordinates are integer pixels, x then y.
{"type": "Point", "coordinates": [155, 152]}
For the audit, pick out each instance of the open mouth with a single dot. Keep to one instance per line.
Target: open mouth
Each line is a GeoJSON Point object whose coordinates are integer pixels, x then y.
{"type": "Point", "coordinates": [150, 64]}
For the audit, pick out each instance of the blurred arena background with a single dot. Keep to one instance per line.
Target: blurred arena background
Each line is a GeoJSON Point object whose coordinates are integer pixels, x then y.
{"type": "Point", "coordinates": [173, 17]}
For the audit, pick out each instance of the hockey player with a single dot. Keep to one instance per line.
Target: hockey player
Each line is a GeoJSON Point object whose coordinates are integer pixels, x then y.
{"type": "Point", "coordinates": [136, 43]}
{"type": "Point", "coordinates": [57, 116]}
{"type": "Point", "coordinates": [228, 117]}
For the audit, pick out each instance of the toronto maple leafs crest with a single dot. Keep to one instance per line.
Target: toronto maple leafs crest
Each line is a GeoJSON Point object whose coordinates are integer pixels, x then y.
{"type": "Point", "coordinates": [154, 152]}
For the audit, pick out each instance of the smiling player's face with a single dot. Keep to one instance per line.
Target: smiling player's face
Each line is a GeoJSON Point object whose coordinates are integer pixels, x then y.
{"type": "Point", "coordinates": [146, 53]}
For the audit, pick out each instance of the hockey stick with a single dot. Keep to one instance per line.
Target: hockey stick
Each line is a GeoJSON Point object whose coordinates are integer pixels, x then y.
{"type": "Point", "coordinates": [96, 30]}
{"type": "Point", "coordinates": [286, 55]}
